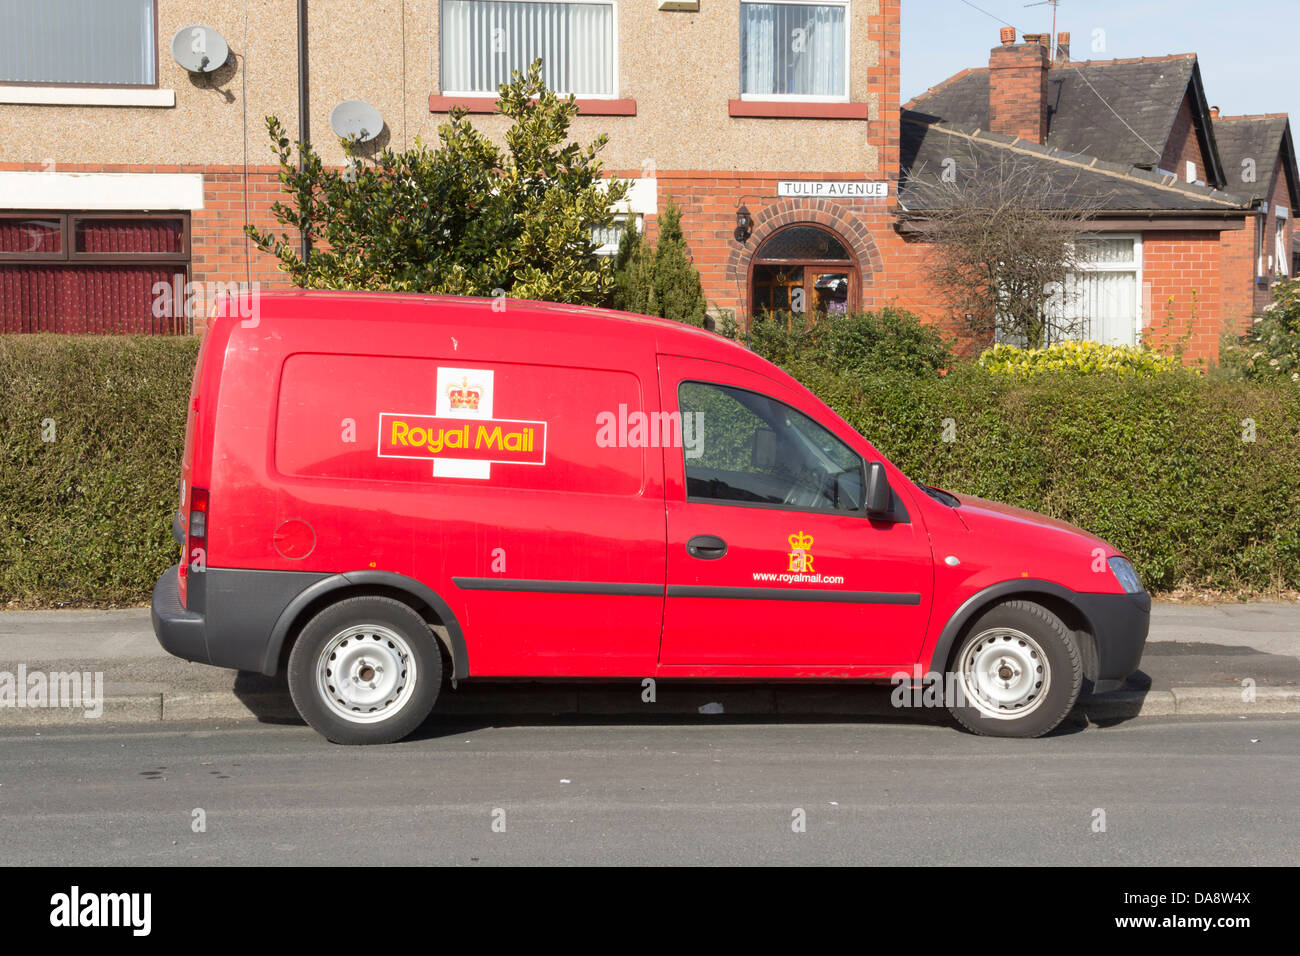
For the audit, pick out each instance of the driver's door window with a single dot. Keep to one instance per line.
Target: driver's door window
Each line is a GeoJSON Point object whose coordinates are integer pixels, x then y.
{"type": "Point", "coordinates": [751, 449]}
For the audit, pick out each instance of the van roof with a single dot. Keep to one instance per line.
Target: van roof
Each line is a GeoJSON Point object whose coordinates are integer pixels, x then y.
{"type": "Point", "coordinates": [670, 336]}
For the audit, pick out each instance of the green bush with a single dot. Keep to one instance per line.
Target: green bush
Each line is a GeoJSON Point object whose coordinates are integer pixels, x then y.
{"type": "Point", "coordinates": [1159, 466]}
{"type": "Point", "coordinates": [661, 281]}
{"type": "Point", "coordinates": [1271, 349]}
{"type": "Point", "coordinates": [884, 340]}
{"type": "Point", "coordinates": [86, 517]}
{"type": "Point", "coordinates": [1083, 358]}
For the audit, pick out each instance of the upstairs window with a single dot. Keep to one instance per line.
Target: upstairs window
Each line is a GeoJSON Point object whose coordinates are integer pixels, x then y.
{"type": "Point", "coordinates": [484, 41]}
{"type": "Point", "coordinates": [79, 42]}
{"type": "Point", "coordinates": [794, 50]}
{"type": "Point", "coordinates": [1280, 258]}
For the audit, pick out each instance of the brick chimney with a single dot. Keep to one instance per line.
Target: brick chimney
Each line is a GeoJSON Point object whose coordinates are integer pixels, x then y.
{"type": "Point", "coordinates": [1062, 48]}
{"type": "Point", "coordinates": [1018, 89]}
{"type": "Point", "coordinates": [1214, 112]}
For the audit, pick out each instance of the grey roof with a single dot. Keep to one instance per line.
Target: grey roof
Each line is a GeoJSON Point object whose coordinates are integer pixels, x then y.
{"type": "Point", "coordinates": [1264, 139]}
{"type": "Point", "coordinates": [1144, 98]}
{"type": "Point", "coordinates": [1115, 188]}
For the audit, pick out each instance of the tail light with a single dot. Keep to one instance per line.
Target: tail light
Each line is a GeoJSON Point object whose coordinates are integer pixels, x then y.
{"type": "Point", "coordinates": [195, 557]}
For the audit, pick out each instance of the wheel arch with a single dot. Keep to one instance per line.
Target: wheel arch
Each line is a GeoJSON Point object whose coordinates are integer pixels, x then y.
{"type": "Point", "coordinates": [1057, 598]}
{"type": "Point", "coordinates": [420, 597]}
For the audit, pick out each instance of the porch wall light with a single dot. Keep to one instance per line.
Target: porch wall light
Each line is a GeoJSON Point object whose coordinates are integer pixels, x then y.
{"type": "Point", "coordinates": [744, 224]}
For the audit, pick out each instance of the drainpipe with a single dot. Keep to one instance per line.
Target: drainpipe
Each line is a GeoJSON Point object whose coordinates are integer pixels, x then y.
{"type": "Point", "coordinates": [304, 117]}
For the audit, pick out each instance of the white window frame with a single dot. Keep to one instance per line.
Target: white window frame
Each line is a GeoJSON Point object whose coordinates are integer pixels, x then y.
{"type": "Point", "coordinates": [491, 95]}
{"type": "Point", "coordinates": [800, 97]}
{"type": "Point", "coordinates": [1135, 267]}
{"type": "Point", "coordinates": [620, 223]}
{"type": "Point", "coordinates": [1281, 254]}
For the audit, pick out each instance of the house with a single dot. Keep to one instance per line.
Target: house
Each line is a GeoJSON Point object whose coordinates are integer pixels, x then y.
{"type": "Point", "coordinates": [1185, 247]}
{"type": "Point", "coordinates": [119, 169]}
{"type": "Point", "coordinates": [1259, 154]}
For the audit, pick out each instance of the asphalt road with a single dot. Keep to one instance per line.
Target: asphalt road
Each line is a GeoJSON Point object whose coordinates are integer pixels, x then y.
{"type": "Point", "coordinates": [693, 791]}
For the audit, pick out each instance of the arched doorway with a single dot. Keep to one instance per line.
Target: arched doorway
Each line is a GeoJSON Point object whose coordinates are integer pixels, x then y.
{"type": "Point", "coordinates": [803, 268]}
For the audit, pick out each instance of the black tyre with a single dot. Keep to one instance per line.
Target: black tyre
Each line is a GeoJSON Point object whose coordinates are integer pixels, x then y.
{"type": "Point", "coordinates": [1016, 672]}
{"type": "Point", "coordinates": [365, 671]}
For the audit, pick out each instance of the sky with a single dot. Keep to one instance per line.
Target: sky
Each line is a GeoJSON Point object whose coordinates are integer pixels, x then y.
{"type": "Point", "coordinates": [1249, 50]}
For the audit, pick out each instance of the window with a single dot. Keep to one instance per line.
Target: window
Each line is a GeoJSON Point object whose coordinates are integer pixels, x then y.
{"type": "Point", "coordinates": [1101, 299]}
{"type": "Point", "coordinates": [754, 450]}
{"type": "Point", "coordinates": [794, 50]}
{"type": "Point", "coordinates": [72, 272]}
{"type": "Point", "coordinates": [803, 269]}
{"type": "Point", "coordinates": [608, 238]}
{"type": "Point", "coordinates": [79, 42]}
{"type": "Point", "coordinates": [484, 41]}
{"type": "Point", "coordinates": [1280, 256]}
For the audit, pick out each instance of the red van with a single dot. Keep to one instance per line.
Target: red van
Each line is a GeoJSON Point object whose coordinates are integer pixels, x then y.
{"type": "Point", "coordinates": [381, 492]}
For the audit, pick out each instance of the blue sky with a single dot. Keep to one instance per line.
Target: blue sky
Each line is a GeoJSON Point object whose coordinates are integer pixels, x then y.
{"type": "Point", "coordinates": [1249, 50]}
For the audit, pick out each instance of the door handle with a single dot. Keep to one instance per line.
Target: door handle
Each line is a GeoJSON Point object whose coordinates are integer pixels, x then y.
{"type": "Point", "coordinates": [706, 547]}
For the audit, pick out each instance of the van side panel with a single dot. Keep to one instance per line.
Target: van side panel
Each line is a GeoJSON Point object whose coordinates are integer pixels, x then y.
{"type": "Point", "coordinates": [471, 459]}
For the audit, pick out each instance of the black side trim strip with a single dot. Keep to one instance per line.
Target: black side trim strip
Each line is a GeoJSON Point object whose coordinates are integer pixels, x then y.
{"type": "Point", "coordinates": [533, 586]}
{"type": "Point", "coordinates": [795, 594]}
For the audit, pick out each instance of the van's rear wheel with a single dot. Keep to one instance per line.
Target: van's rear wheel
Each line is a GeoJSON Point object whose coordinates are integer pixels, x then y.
{"type": "Point", "coordinates": [1018, 672]}
{"type": "Point", "coordinates": [365, 671]}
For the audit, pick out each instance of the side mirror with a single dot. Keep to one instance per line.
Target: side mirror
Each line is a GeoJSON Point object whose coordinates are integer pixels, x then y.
{"type": "Point", "coordinates": [879, 496]}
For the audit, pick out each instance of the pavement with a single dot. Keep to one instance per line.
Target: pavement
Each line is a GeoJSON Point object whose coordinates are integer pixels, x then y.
{"type": "Point", "coordinates": [1170, 791]}
{"type": "Point", "coordinates": [1196, 660]}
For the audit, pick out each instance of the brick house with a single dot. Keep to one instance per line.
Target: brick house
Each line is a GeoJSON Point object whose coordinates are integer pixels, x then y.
{"type": "Point", "coordinates": [1187, 247]}
{"type": "Point", "coordinates": [784, 144]}
{"type": "Point", "coordinates": [119, 169]}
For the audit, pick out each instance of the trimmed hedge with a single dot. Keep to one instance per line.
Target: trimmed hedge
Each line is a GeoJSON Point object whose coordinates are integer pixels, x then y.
{"type": "Point", "coordinates": [1156, 465]}
{"type": "Point", "coordinates": [86, 518]}
{"type": "Point", "coordinates": [1080, 358]}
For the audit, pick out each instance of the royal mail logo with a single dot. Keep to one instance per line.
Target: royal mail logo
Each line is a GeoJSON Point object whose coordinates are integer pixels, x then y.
{"type": "Point", "coordinates": [464, 395]}
{"type": "Point", "coordinates": [801, 558]}
{"type": "Point", "coordinates": [433, 438]}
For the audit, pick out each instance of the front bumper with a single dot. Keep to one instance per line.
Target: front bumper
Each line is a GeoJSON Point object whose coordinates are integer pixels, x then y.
{"type": "Point", "coordinates": [180, 632]}
{"type": "Point", "coordinates": [1120, 623]}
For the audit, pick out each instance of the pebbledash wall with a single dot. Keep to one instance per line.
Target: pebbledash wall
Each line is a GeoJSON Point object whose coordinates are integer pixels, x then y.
{"type": "Point", "coordinates": [677, 121]}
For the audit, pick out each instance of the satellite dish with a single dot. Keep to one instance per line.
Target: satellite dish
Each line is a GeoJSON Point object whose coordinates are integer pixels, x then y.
{"type": "Point", "coordinates": [356, 118]}
{"type": "Point", "coordinates": [200, 49]}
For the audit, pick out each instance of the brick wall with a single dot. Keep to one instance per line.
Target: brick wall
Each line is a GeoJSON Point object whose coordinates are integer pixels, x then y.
{"type": "Point", "coordinates": [1184, 145]}
{"type": "Point", "coordinates": [1237, 274]}
{"type": "Point", "coordinates": [1182, 296]}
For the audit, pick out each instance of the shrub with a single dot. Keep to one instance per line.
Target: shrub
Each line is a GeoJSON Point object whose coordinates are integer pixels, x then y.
{"type": "Point", "coordinates": [1195, 478]}
{"type": "Point", "coordinates": [1081, 358]}
{"type": "Point", "coordinates": [661, 281]}
{"type": "Point", "coordinates": [466, 218]}
{"type": "Point", "coordinates": [886, 339]}
{"type": "Point", "coordinates": [1271, 349]}
{"type": "Point", "coordinates": [86, 517]}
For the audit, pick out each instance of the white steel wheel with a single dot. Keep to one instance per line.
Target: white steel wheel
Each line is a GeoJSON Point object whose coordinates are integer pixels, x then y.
{"type": "Point", "coordinates": [366, 670]}
{"type": "Point", "coordinates": [1017, 672]}
{"type": "Point", "coordinates": [366, 673]}
{"type": "Point", "coordinates": [1004, 673]}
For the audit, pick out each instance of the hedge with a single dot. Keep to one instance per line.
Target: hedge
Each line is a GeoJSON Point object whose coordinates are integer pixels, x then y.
{"type": "Point", "coordinates": [85, 518]}
{"type": "Point", "coordinates": [1161, 466]}
{"type": "Point", "coordinates": [1158, 466]}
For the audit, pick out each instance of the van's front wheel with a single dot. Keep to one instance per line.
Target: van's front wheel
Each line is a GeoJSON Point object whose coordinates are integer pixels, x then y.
{"type": "Point", "coordinates": [1018, 672]}
{"type": "Point", "coordinates": [365, 671]}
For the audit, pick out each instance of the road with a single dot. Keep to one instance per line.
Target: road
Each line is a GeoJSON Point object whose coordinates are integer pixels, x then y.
{"type": "Point", "coordinates": [687, 791]}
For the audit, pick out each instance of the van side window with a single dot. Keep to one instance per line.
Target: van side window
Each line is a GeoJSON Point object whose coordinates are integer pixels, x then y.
{"type": "Point", "coordinates": [743, 447]}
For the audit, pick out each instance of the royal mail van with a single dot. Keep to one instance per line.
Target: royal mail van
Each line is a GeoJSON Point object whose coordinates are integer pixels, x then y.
{"type": "Point", "coordinates": [384, 493]}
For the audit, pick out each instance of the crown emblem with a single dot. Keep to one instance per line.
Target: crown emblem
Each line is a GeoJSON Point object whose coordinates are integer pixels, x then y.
{"type": "Point", "coordinates": [801, 559]}
{"type": "Point", "coordinates": [464, 395]}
